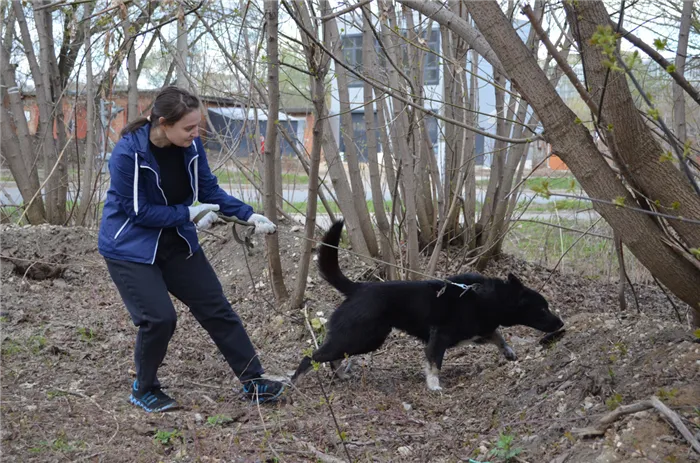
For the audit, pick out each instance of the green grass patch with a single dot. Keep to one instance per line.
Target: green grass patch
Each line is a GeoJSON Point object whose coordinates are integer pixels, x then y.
{"type": "Point", "coordinates": [558, 205]}
{"type": "Point", "coordinates": [544, 244]}
{"type": "Point", "coordinates": [553, 183]}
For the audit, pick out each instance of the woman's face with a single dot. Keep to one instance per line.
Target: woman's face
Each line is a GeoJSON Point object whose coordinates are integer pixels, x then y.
{"type": "Point", "coordinates": [184, 131]}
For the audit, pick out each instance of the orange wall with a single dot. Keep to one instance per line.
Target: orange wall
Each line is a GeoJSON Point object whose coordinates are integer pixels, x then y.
{"type": "Point", "coordinates": [555, 163]}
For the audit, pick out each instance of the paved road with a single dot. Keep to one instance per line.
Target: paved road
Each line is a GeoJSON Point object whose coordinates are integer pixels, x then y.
{"type": "Point", "coordinates": [10, 195]}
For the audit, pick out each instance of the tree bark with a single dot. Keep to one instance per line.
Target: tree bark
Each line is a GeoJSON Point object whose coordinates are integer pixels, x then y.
{"type": "Point", "coordinates": [271, 150]}
{"type": "Point", "coordinates": [575, 145]}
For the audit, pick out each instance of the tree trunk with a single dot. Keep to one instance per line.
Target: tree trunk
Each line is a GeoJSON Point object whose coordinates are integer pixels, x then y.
{"type": "Point", "coordinates": [17, 142]}
{"type": "Point", "coordinates": [271, 150]}
{"type": "Point", "coordinates": [470, 154]}
{"type": "Point", "coordinates": [681, 52]}
{"type": "Point", "coordinates": [636, 145]}
{"type": "Point", "coordinates": [358, 190]}
{"type": "Point", "coordinates": [42, 85]}
{"type": "Point", "coordinates": [399, 131]}
{"type": "Point", "coordinates": [388, 158]}
{"type": "Point", "coordinates": [132, 107]}
{"type": "Point", "coordinates": [385, 235]}
{"type": "Point", "coordinates": [318, 64]}
{"type": "Point", "coordinates": [181, 57]}
{"type": "Point", "coordinates": [87, 193]}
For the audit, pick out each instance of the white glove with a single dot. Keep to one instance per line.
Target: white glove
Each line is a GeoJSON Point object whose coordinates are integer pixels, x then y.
{"type": "Point", "coordinates": [196, 210]}
{"type": "Point", "coordinates": [206, 221]}
{"type": "Point", "coordinates": [263, 225]}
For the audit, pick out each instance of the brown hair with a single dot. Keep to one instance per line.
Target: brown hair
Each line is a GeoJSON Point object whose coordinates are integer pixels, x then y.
{"type": "Point", "coordinates": [172, 103]}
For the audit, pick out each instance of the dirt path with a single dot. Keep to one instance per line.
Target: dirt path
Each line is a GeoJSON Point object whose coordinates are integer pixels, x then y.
{"type": "Point", "coordinates": [67, 366]}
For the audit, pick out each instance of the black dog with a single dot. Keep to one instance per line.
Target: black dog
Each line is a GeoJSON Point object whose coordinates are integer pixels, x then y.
{"type": "Point", "coordinates": [440, 314]}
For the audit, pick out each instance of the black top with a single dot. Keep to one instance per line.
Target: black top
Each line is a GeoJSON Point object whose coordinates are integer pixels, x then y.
{"type": "Point", "coordinates": [174, 179]}
{"type": "Point", "coordinates": [175, 183]}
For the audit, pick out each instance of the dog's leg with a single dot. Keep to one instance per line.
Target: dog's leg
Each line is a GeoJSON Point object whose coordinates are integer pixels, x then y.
{"type": "Point", "coordinates": [303, 368]}
{"type": "Point", "coordinates": [338, 371]}
{"type": "Point", "coordinates": [434, 354]}
{"type": "Point", "coordinates": [497, 339]}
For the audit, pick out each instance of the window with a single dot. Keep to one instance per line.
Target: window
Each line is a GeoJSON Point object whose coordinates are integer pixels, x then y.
{"type": "Point", "coordinates": [359, 136]}
{"type": "Point", "coordinates": [352, 51]}
{"type": "Point", "coordinates": [431, 71]}
{"type": "Point", "coordinates": [431, 66]}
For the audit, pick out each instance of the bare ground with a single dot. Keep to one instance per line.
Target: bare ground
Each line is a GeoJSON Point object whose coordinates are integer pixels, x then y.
{"type": "Point", "coordinates": [67, 366]}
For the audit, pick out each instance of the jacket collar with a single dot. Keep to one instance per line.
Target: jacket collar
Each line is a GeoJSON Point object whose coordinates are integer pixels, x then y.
{"type": "Point", "coordinates": [140, 144]}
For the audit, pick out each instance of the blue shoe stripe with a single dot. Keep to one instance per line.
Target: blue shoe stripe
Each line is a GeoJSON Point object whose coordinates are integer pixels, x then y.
{"type": "Point", "coordinates": [147, 405]}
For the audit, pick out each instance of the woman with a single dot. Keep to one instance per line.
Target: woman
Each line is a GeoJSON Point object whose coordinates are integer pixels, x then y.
{"type": "Point", "coordinates": [159, 171]}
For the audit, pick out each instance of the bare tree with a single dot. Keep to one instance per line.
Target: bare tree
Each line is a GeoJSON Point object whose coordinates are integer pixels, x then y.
{"type": "Point", "coordinates": [358, 190]}
{"type": "Point", "coordinates": [181, 56]}
{"type": "Point", "coordinates": [385, 234]}
{"type": "Point", "coordinates": [87, 193]}
{"type": "Point", "coordinates": [17, 142]}
{"type": "Point", "coordinates": [318, 63]}
{"type": "Point", "coordinates": [272, 149]}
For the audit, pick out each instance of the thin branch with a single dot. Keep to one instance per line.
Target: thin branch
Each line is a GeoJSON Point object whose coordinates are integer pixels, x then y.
{"type": "Point", "coordinates": [563, 65]}
{"type": "Point", "coordinates": [611, 203]}
{"type": "Point", "coordinates": [676, 148]}
{"type": "Point", "coordinates": [344, 10]}
{"type": "Point", "coordinates": [597, 235]}
{"type": "Point", "coordinates": [661, 61]}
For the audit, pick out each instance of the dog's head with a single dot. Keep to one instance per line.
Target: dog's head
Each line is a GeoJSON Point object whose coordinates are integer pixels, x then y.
{"type": "Point", "coordinates": [529, 308]}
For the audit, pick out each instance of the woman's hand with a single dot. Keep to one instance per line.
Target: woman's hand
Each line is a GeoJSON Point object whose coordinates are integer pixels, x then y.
{"type": "Point", "coordinates": [263, 225]}
{"type": "Point", "coordinates": [204, 215]}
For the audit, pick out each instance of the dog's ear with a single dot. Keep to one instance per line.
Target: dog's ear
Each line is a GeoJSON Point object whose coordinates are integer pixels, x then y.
{"type": "Point", "coordinates": [515, 281]}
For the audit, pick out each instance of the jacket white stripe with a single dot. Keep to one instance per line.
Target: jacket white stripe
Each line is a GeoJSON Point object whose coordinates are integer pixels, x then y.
{"type": "Point", "coordinates": [136, 183]}
{"type": "Point", "coordinates": [196, 173]}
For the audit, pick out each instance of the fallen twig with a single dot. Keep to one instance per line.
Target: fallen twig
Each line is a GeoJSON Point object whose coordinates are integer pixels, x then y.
{"type": "Point", "coordinates": [673, 417]}
{"type": "Point", "coordinates": [653, 402]}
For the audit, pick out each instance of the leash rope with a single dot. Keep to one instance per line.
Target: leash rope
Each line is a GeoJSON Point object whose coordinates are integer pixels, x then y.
{"type": "Point", "coordinates": [249, 244]}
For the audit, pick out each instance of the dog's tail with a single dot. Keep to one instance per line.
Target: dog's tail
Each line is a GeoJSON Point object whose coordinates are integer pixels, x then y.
{"type": "Point", "coordinates": [328, 261]}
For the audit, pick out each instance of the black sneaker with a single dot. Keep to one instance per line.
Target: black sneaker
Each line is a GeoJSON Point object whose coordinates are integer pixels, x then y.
{"type": "Point", "coordinates": [154, 400]}
{"type": "Point", "coordinates": [263, 390]}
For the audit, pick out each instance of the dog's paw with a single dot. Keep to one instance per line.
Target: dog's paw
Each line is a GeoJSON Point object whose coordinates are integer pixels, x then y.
{"type": "Point", "coordinates": [433, 383]}
{"type": "Point", "coordinates": [509, 354]}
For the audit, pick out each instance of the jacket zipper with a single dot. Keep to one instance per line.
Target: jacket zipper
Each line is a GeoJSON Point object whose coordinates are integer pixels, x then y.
{"type": "Point", "coordinates": [155, 251]}
{"type": "Point", "coordinates": [194, 192]}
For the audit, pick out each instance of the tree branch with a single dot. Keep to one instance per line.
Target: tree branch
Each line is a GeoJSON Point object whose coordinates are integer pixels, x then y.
{"type": "Point", "coordinates": [661, 61]}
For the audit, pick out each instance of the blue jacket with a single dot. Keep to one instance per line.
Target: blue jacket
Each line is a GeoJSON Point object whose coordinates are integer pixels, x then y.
{"type": "Point", "coordinates": [136, 211]}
